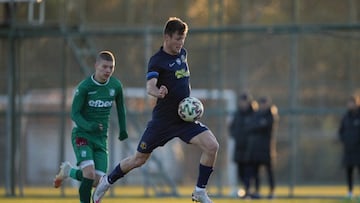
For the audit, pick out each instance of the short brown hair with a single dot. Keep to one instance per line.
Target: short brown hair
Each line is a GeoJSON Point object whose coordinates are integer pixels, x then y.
{"type": "Point", "coordinates": [174, 25]}
{"type": "Point", "coordinates": [105, 55]}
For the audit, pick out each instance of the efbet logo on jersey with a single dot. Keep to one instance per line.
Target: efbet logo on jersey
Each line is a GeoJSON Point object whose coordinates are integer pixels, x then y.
{"type": "Point", "coordinates": [100, 103]}
{"type": "Point", "coordinates": [182, 73]}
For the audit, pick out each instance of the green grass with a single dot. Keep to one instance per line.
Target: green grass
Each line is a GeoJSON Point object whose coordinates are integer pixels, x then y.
{"type": "Point", "coordinates": [308, 194]}
{"type": "Point", "coordinates": [167, 200]}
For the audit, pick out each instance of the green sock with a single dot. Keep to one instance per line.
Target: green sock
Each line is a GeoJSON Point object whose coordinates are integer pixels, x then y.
{"type": "Point", "coordinates": [85, 190]}
{"type": "Point", "coordinates": [76, 174]}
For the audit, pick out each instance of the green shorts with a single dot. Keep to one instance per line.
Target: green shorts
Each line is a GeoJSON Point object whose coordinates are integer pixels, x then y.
{"type": "Point", "coordinates": [94, 149]}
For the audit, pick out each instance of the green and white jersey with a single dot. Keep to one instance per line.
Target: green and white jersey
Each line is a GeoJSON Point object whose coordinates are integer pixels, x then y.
{"type": "Point", "coordinates": [92, 104]}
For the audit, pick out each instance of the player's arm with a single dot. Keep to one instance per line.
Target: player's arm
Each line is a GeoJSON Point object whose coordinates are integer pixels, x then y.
{"type": "Point", "coordinates": [77, 117]}
{"type": "Point", "coordinates": [121, 112]}
{"type": "Point", "coordinates": [153, 90]}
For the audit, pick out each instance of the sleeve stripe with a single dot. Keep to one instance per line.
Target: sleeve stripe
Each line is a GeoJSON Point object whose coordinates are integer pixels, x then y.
{"type": "Point", "coordinates": [150, 75]}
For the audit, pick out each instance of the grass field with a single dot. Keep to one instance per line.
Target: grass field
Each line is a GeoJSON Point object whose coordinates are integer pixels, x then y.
{"type": "Point", "coordinates": [308, 194]}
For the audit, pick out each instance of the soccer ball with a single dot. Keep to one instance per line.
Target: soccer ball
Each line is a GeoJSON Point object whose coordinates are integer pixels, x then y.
{"type": "Point", "coordinates": [190, 109]}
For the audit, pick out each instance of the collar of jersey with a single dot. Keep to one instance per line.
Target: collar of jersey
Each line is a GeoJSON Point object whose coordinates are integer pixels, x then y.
{"type": "Point", "coordinates": [97, 83]}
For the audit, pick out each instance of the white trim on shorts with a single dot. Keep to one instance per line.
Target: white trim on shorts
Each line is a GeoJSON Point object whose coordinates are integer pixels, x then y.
{"type": "Point", "coordinates": [86, 163]}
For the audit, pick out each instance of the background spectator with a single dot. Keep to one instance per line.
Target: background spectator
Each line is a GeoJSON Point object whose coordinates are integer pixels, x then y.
{"type": "Point", "coordinates": [349, 133]}
{"type": "Point", "coordinates": [238, 131]}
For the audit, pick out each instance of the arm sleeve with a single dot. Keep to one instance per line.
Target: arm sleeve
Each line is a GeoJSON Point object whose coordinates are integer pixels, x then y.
{"type": "Point", "coordinates": [121, 111]}
{"type": "Point", "coordinates": [76, 116]}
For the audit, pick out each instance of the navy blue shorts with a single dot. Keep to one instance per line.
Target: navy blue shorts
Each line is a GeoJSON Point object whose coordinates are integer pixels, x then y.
{"type": "Point", "coordinates": [158, 134]}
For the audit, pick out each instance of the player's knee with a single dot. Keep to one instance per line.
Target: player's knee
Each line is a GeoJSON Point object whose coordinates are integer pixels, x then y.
{"type": "Point", "coordinates": [213, 147]}
{"type": "Point", "coordinates": [90, 174]}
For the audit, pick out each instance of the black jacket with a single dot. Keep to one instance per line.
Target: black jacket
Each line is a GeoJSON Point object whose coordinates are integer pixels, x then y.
{"type": "Point", "coordinates": [349, 133]}
{"type": "Point", "coordinates": [239, 131]}
{"type": "Point", "coordinates": [260, 141]}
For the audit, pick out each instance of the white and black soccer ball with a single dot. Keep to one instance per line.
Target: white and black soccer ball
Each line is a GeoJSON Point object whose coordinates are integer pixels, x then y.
{"type": "Point", "coordinates": [190, 109]}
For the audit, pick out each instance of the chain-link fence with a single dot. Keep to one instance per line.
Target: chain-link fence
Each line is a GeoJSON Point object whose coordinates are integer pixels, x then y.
{"type": "Point", "coordinates": [307, 66]}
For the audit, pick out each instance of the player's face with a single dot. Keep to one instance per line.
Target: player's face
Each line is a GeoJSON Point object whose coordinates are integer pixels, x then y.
{"type": "Point", "coordinates": [174, 43]}
{"type": "Point", "coordinates": [103, 70]}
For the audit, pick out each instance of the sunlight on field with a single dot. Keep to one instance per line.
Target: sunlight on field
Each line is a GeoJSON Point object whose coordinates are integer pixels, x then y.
{"type": "Point", "coordinates": [165, 200]}
{"type": "Point", "coordinates": [309, 194]}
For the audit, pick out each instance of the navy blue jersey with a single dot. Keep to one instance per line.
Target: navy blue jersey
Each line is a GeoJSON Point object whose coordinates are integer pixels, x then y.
{"type": "Point", "coordinates": [173, 72]}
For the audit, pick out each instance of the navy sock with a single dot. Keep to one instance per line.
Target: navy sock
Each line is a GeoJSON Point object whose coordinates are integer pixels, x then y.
{"type": "Point", "coordinates": [204, 175]}
{"type": "Point", "coordinates": [116, 174]}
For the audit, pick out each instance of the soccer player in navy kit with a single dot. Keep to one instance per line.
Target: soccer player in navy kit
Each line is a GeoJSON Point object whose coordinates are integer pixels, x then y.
{"type": "Point", "coordinates": [168, 81]}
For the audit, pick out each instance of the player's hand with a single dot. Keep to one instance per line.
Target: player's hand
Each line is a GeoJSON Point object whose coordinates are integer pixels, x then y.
{"type": "Point", "coordinates": [162, 91]}
{"type": "Point", "coordinates": [123, 135]}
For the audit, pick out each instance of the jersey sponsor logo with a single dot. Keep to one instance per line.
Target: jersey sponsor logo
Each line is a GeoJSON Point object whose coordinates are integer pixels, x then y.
{"type": "Point", "coordinates": [93, 92]}
{"type": "Point", "coordinates": [182, 73]}
{"type": "Point", "coordinates": [100, 103]}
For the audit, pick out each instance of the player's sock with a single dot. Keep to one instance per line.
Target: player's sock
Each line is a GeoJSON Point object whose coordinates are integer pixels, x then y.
{"type": "Point", "coordinates": [76, 174]}
{"type": "Point", "coordinates": [204, 175]}
{"type": "Point", "coordinates": [116, 174]}
{"type": "Point", "coordinates": [85, 190]}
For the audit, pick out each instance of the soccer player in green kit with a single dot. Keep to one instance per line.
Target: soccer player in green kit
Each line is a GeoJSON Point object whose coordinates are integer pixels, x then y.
{"type": "Point", "coordinates": [90, 113]}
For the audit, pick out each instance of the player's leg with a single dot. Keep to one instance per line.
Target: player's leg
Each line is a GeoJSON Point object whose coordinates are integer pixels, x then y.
{"type": "Point", "coordinates": [84, 152]}
{"type": "Point", "coordinates": [125, 166]}
{"type": "Point", "coordinates": [207, 142]}
{"type": "Point", "coordinates": [64, 173]}
{"type": "Point", "coordinates": [150, 140]}
{"type": "Point", "coordinates": [101, 159]}
{"type": "Point", "coordinates": [88, 170]}
{"type": "Point", "coordinates": [66, 169]}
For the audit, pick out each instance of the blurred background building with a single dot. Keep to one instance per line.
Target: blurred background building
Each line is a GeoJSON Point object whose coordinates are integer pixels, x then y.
{"type": "Point", "coordinates": [304, 54]}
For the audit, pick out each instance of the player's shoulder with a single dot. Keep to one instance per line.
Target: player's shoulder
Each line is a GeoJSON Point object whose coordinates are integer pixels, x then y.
{"type": "Point", "coordinates": [82, 87]}
{"type": "Point", "coordinates": [183, 51]}
{"type": "Point", "coordinates": [113, 81]}
{"type": "Point", "coordinates": [157, 56]}
{"type": "Point", "coordinates": [84, 84]}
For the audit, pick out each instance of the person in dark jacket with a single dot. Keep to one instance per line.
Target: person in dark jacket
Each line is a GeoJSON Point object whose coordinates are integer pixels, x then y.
{"type": "Point", "coordinates": [238, 131]}
{"type": "Point", "coordinates": [349, 133]}
{"type": "Point", "coordinates": [261, 144]}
